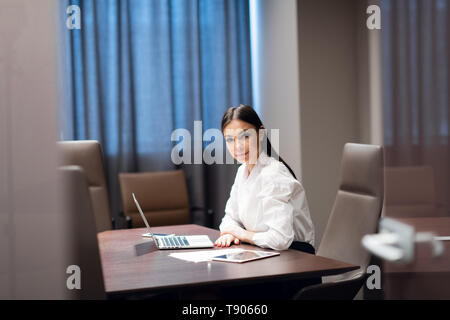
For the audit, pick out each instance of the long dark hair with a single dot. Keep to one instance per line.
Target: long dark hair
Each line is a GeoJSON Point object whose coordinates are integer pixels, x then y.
{"type": "Point", "coordinates": [249, 115]}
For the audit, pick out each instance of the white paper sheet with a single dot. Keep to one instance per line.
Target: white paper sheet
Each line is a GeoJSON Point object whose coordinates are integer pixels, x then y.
{"type": "Point", "coordinates": [202, 255]}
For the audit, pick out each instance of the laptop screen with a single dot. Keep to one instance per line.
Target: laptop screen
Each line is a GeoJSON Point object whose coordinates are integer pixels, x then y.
{"type": "Point", "coordinates": [142, 215]}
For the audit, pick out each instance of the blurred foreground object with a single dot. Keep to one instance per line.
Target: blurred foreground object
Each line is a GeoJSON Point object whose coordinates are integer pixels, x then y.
{"type": "Point", "coordinates": [422, 269]}
{"type": "Point", "coordinates": [396, 241]}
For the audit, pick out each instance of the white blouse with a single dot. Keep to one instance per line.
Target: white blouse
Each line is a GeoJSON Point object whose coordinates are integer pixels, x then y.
{"type": "Point", "coordinates": [271, 203]}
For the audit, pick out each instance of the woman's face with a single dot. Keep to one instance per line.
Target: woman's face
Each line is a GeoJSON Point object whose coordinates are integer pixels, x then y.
{"type": "Point", "coordinates": [242, 141]}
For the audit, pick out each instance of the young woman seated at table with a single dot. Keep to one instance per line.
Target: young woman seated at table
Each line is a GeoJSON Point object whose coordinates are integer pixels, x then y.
{"type": "Point", "coordinates": [267, 206]}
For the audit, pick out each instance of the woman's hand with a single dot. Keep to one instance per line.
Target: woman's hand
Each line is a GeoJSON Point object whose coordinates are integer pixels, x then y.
{"type": "Point", "coordinates": [225, 240]}
{"type": "Point", "coordinates": [239, 234]}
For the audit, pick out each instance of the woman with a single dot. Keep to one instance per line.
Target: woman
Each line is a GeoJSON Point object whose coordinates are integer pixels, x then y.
{"type": "Point", "coordinates": [267, 205]}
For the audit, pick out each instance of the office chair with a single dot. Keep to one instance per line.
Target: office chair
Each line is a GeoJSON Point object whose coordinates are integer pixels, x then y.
{"type": "Point", "coordinates": [355, 213]}
{"type": "Point", "coordinates": [82, 245]}
{"type": "Point", "coordinates": [410, 192]}
{"type": "Point", "coordinates": [88, 155]}
{"type": "Point", "coordinates": [162, 195]}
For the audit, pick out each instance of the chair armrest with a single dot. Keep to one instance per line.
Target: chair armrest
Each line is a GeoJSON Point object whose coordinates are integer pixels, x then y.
{"type": "Point", "coordinates": [341, 290]}
{"type": "Point", "coordinates": [128, 221]}
{"type": "Point", "coordinates": [208, 211]}
{"type": "Point", "coordinates": [209, 214]}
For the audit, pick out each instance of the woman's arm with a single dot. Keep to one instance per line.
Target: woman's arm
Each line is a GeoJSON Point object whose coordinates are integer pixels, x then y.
{"type": "Point", "coordinates": [276, 213]}
{"type": "Point", "coordinates": [240, 233]}
{"type": "Point", "coordinates": [277, 218]}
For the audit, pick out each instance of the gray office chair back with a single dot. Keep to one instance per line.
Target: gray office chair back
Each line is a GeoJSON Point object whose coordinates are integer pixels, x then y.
{"type": "Point", "coordinates": [357, 208]}
{"type": "Point", "coordinates": [82, 246]}
{"type": "Point", "coordinates": [88, 155]}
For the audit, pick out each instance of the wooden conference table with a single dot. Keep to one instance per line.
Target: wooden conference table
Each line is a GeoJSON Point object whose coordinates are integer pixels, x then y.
{"type": "Point", "coordinates": [133, 265]}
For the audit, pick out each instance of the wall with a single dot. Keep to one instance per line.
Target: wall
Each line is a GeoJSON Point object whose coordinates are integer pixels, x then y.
{"type": "Point", "coordinates": [316, 76]}
{"type": "Point", "coordinates": [275, 73]}
{"type": "Point", "coordinates": [328, 98]}
{"type": "Point", "coordinates": [370, 109]}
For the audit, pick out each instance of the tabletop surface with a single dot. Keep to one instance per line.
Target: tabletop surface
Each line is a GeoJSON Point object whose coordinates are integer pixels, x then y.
{"type": "Point", "coordinates": [424, 262]}
{"type": "Point", "coordinates": [132, 263]}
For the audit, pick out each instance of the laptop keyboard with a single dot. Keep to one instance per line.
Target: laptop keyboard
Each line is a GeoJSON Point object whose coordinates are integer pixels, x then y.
{"type": "Point", "coordinates": [179, 241]}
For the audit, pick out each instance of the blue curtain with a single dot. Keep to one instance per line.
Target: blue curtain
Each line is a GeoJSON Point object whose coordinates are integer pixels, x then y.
{"type": "Point", "coordinates": [138, 69]}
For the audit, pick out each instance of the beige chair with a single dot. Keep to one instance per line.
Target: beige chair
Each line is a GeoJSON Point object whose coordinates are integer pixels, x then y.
{"type": "Point", "coordinates": [88, 155]}
{"type": "Point", "coordinates": [162, 195]}
{"type": "Point", "coordinates": [410, 192]}
{"type": "Point", "coordinates": [355, 213]}
{"type": "Point", "coordinates": [82, 245]}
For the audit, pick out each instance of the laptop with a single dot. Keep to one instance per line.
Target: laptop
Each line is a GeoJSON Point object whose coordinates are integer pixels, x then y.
{"type": "Point", "coordinates": [173, 241]}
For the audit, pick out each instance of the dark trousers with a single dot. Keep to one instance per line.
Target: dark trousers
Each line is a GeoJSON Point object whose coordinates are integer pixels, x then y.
{"type": "Point", "coordinates": [303, 246]}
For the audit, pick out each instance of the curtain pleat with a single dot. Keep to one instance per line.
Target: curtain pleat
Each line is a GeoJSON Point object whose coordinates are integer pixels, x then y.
{"type": "Point", "coordinates": [416, 68]}
{"type": "Point", "coordinates": [139, 69]}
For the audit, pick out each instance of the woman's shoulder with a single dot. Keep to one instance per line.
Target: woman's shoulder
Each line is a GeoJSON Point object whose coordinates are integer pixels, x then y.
{"type": "Point", "coordinates": [239, 174]}
{"type": "Point", "coordinates": [274, 168]}
{"type": "Point", "coordinates": [240, 169]}
{"type": "Point", "coordinates": [277, 175]}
